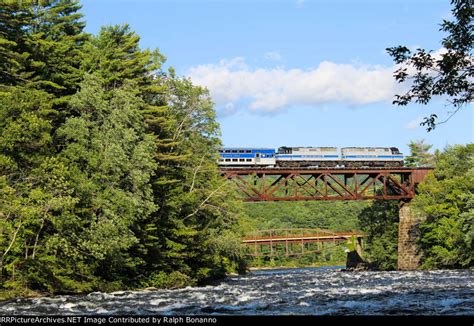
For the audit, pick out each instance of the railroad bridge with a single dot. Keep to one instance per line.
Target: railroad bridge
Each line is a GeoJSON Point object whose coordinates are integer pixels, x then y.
{"type": "Point", "coordinates": [294, 184]}
{"type": "Point", "coordinates": [270, 242]}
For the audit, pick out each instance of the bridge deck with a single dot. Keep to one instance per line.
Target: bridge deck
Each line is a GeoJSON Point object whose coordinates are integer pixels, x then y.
{"type": "Point", "coordinates": [318, 237]}
{"type": "Point", "coordinates": [310, 183]}
{"type": "Point", "coordinates": [279, 168]}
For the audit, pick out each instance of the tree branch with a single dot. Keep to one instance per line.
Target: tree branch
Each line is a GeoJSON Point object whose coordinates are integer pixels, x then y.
{"type": "Point", "coordinates": [204, 201]}
{"type": "Point", "coordinates": [195, 173]}
{"type": "Point", "coordinates": [11, 244]}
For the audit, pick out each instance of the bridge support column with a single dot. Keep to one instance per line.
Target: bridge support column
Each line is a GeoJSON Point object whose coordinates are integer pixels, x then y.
{"type": "Point", "coordinates": [409, 255]}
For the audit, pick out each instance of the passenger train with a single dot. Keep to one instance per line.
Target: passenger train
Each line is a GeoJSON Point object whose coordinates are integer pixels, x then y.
{"type": "Point", "coordinates": [311, 157]}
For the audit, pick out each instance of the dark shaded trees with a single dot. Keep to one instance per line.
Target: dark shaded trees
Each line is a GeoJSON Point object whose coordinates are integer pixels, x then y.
{"type": "Point", "coordinates": [380, 223]}
{"type": "Point", "coordinates": [39, 47]}
{"type": "Point", "coordinates": [13, 22]}
{"type": "Point", "coordinates": [67, 217]}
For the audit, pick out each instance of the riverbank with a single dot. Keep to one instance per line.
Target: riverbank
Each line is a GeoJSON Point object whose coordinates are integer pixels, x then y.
{"type": "Point", "coordinates": [26, 293]}
{"type": "Point", "coordinates": [8, 295]}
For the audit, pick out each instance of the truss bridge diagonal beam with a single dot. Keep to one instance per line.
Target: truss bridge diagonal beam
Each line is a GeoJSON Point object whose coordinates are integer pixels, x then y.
{"type": "Point", "coordinates": [292, 242]}
{"type": "Point", "coordinates": [285, 184]}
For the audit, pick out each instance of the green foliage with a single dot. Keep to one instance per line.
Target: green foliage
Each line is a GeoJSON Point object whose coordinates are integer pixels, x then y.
{"type": "Point", "coordinates": [450, 75]}
{"type": "Point", "coordinates": [334, 216]}
{"type": "Point", "coordinates": [171, 280]}
{"type": "Point", "coordinates": [26, 129]}
{"type": "Point", "coordinates": [40, 45]}
{"type": "Point", "coordinates": [196, 204]}
{"type": "Point", "coordinates": [447, 198]}
{"type": "Point", "coordinates": [115, 56]}
{"type": "Point", "coordinates": [379, 222]}
{"type": "Point", "coordinates": [419, 155]}
{"type": "Point", "coordinates": [331, 256]}
{"type": "Point", "coordinates": [110, 181]}
{"type": "Point", "coordinates": [13, 21]}
{"type": "Point", "coordinates": [34, 191]}
{"type": "Point", "coordinates": [108, 174]}
{"type": "Point", "coordinates": [111, 162]}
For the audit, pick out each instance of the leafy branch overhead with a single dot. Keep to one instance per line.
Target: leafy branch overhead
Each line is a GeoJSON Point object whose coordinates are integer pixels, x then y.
{"type": "Point", "coordinates": [449, 73]}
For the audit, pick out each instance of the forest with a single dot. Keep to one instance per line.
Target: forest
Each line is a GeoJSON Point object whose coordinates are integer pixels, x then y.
{"type": "Point", "coordinates": [108, 177]}
{"type": "Point", "coordinates": [109, 180]}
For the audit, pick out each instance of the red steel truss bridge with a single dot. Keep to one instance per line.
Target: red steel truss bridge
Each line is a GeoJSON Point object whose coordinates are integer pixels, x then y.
{"type": "Point", "coordinates": [277, 184]}
{"type": "Point", "coordinates": [292, 242]}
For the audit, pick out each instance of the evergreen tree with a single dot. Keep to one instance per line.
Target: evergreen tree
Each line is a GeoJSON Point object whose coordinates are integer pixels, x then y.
{"type": "Point", "coordinates": [187, 186]}
{"type": "Point", "coordinates": [41, 42]}
{"type": "Point", "coordinates": [13, 22]}
{"type": "Point", "coordinates": [112, 186]}
{"type": "Point", "coordinates": [200, 205]}
{"type": "Point", "coordinates": [115, 55]}
{"type": "Point", "coordinates": [55, 40]}
{"type": "Point", "coordinates": [419, 155]}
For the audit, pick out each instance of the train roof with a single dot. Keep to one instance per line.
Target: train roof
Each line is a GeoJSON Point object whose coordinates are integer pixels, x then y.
{"type": "Point", "coordinates": [364, 147]}
{"type": "Point", "coordinates": [332, 147]}
{"type": "Point", "coordinates": [266, 148]}
{"type": "Point", "coordinates": [307, 147]}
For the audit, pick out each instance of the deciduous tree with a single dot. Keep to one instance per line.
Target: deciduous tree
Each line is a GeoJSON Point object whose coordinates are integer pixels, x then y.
{"type": "Point", "coordinates": [448, 74]}
{"type": "Point", "coordinates": [446, 197]}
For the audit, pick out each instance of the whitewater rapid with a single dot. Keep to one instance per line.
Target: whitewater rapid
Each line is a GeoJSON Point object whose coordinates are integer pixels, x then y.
{"type": "Point", "coordinates": [304, 291]}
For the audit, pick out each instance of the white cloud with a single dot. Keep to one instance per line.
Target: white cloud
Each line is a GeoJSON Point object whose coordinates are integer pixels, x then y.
{"type": "Point", "coordinates": [269, 90]}
{"type": "Point", "coordinates": [272, 55]}
{"type": "Point", "coordinates": [415, 123]}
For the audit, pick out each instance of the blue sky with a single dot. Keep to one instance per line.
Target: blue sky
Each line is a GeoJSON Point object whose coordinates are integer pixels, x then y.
{"type": "Point", "coordinates": [295, 72]}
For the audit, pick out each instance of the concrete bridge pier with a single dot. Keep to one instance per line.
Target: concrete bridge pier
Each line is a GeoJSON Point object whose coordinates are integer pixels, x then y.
{"type": "Point", "coordinates": [409, 255]}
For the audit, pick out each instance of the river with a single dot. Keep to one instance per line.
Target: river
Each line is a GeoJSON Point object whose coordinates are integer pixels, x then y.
{"type": "Point", "coordinates": [305, 291]}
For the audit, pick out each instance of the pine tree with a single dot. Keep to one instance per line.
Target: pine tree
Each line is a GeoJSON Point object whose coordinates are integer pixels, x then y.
{"type": "Point", "coordinates": [41, 43]}
{"type": "Point", "coordinates": [13, 22]}
{"type": "Point", "coordinates": [200, 207]}
{"type": "Point", "coordinates": [419, 155]}
{"type": "Point", "coordinates": [55, 41]}
{"type": "Point", "coordinates": [115, 55]}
